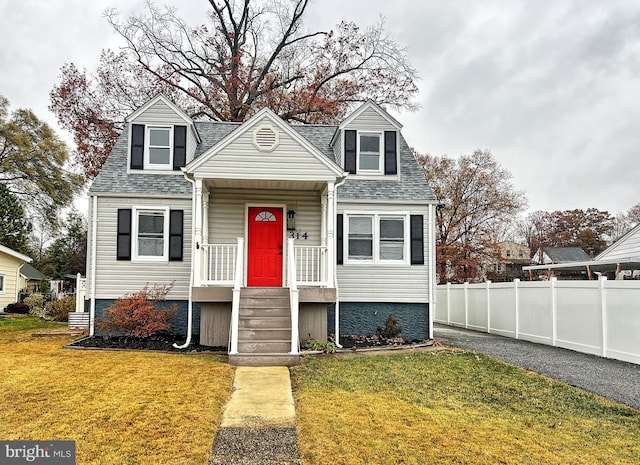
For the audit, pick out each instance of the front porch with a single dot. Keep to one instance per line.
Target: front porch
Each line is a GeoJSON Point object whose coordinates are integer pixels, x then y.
{"type": "Point", "coordinates": [263, 325]}
{"type": "Point", "coordinates": [284, 245]}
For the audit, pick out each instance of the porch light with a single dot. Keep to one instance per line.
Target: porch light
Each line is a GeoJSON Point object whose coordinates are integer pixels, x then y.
{"type": "Point", "coordinates": [291, 220]}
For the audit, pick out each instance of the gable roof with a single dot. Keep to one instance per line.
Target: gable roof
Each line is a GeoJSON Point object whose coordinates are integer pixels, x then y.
{"type": "Point", "coordinates": [627, 246]}
{"type": "Point", "coordinates": [161, 98]}
{"type": "Point", "coordinates": [29, 272]}
{"type": "Point", "coordinates": [370, 104]}
{"type": "Point", "coordinates": [410, 185]}
{"type": "Point", "coordinates": [262, 116]}
{"type": "Point", "coordinates": [15, 254]}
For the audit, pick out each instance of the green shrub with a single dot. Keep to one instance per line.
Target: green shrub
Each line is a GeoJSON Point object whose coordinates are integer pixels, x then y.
{"type": "Point", "coordinates": [36, 305]}
{"type": "Point", "coordinates": [58, 310]}
{"type": "Point", "coordinates": [391, 328]}
{"type": "Point", "coordinates": [314, 344]}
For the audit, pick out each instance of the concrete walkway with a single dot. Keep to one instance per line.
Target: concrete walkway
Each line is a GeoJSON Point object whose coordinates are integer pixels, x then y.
{"type": "Point", "coordinates": [614, 379]}
{"type": "Point", "coordinates": [258, 423]}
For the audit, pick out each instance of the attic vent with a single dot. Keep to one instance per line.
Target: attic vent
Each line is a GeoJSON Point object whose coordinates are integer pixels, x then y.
{"type": "Point", "coordinates": [265, 138]}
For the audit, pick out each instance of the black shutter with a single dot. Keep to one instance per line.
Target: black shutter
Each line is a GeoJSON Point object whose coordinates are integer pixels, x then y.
{"type": "Point", "coordinates": [339, 239]}
{"type": "Point", "coordinates": [390, 153]}
{"type": "Point", "coordinates": [175, 235]}
{"type": "Point", "coordinates": [417, 240]}
{"type": "Point", "coordinates": [124, 234]}
{"type": "Point", "coordinates": [137, 146]}
{"type": "Point", "coordinates": [179, 147]}
{"type": "Point", "coordinates": [350, 151]}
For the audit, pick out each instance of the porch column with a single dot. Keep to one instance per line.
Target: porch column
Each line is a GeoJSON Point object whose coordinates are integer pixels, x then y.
{"type": "Point", "coordinates": [197, 221]}
{"type": "Point", "coordinates": [323, 218]}
{"type": "Point", "coordinates": [205, 216]}
{"type": "Point", "coordinates": [331, 221]}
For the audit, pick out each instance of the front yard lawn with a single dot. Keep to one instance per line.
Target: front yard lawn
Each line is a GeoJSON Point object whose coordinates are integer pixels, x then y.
{"type": "Point", "coordinates": [119, 407]}
{"type": "Point", "coordinates": [452, 407]}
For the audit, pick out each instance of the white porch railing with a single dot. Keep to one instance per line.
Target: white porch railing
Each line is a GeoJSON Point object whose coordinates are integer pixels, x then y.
{"type": "Point", "coordinates": [220, 263]}
{"type": "Point", "coordinates": [310, 264]}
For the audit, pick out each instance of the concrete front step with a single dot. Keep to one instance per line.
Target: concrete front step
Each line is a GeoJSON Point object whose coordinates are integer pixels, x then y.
{"type": "Point", "coordinates": [264, 359]}
{"type": "Point", "coordinates": [264, 346]}
{"type": "Point", "coordinates": [272, 322]}
{"type": "Point", "coordinates": [251, 302]}
{"type": "Point", "coordinates": [264, 311]}
{"type": "Point", "coordinates": [264, 334]}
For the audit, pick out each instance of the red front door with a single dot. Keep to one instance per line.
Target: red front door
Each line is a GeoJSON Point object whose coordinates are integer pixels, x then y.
{"type": "Point", "coordinates": [264, 247]}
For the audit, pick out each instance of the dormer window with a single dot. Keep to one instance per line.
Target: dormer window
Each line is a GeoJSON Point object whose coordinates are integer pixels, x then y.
{"type": "Point", "coordinates": [160, 148]}
{"type": "Point", "coordinates": [369, 150]}
{"type": "Point", "coordinates": [158, 153]}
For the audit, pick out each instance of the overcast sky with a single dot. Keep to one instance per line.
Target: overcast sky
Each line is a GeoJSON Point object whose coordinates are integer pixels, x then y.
{"type": "Point", "coordinates": [551, 88]}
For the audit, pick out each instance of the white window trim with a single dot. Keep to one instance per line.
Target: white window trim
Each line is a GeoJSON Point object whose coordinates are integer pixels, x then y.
{"type": "Point", "coordinates": [3, 283]}
{"type": "Point", "coordinates": [376, 260]}
{"type": "Point", "coordinates": [148, 166]}
{"type": "Point", "coordinates": [368, 172]}
{"type": "Point", "coordinates": [134, 233]}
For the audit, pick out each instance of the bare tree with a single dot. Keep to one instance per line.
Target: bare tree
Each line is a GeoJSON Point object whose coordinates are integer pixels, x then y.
{"type": "Point", "coordinates": [476, 197]}
{"type": "Point", "coordinates": [251, 54]}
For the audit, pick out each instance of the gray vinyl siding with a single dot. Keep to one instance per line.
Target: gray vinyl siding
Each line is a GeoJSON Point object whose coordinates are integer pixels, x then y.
{"type": "Point", "coordinates": [115, 278]}
{"type": "Point", "coordinates": [369, 282]}
{"type": "Point", "coordinates": [159, 113]}
{"type": "Point", "coordinates": [227, 212]}
{"type": "Point", "coordinates": [370, 120]}
{"type": "Point", "coordinates": [288, 161]}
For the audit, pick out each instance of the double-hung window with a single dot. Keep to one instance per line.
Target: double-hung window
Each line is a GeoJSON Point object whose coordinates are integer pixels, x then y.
{"type": "Point", "coordinates": [370, 152]}
{"type": "Point", "coordinates": [151, 228]}
{"type": "Point", "coordinates": [360, 238]}
{"type": "Point", "coordinates": [159, 150]}
{"type": "Point", "coordinates": [376, 238]}
{"type": "Point", "coordinates": [2, 283]}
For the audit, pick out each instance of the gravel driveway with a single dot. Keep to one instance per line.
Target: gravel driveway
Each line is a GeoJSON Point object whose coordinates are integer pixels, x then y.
{"type": "Point", "coordinates": [614, 379]}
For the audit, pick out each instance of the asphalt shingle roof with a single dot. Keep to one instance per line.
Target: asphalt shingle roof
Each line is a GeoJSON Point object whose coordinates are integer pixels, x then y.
{"type": "Point", "coordinates": [114, 178]}
{"type": "Point", "coordinates": [566, 254]}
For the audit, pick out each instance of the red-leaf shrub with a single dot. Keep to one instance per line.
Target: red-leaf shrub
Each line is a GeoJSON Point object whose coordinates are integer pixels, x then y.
{"type": "Point", "coordinates": [137, 315]}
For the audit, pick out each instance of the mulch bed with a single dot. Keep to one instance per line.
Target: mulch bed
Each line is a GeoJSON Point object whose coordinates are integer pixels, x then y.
{"type": "Point", "coordinates": [164, 343]}
{"type": "Point", "coordinates": [352, 341]}
{"type": "Point", "coordinates": [161, 343]}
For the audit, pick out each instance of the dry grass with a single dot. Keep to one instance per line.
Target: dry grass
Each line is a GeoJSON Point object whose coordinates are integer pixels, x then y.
{"type": "Point", "coordinates": [453, 408]}
{"type": "Point", "coordinates": [119, 407]}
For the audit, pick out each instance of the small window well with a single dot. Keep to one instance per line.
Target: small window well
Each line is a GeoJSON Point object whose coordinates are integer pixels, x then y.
{"type": "Point", "coordinates": [265, 138]}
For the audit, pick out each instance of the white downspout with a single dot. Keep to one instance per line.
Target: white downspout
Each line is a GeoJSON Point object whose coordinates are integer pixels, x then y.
{"type": "Point", "coordinates": [334, 212]}
{"type": "Point", "coordinates": [193, 252]}
{"type": "Point", "coordinates": [94, 237]}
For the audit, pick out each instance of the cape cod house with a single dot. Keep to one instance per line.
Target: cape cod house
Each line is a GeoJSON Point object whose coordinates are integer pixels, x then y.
{"type": "Point", "coordinates": [271, 232]}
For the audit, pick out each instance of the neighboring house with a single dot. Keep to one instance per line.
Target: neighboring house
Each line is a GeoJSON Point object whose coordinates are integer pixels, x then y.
{"type": "Point", "coordinates": [621, 260]}
{"type": "Point", "coordinates": [552, 255]}
{"type": "Point", "coordinates": [508, 262]}
{"type": "Point", "coordinates": [30, 278]}
{"type": "Point", "coordinates": [10, 263]}
{"type": "Point", "coordinates": [227, 211]}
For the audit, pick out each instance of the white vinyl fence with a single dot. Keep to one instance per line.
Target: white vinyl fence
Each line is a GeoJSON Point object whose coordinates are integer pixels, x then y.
{"type": "Point", "coordinates": [596, 317]}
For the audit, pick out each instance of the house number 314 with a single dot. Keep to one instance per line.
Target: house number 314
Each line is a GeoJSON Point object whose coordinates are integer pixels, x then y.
{"type": "Point", "coordinates": [298, 235]}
